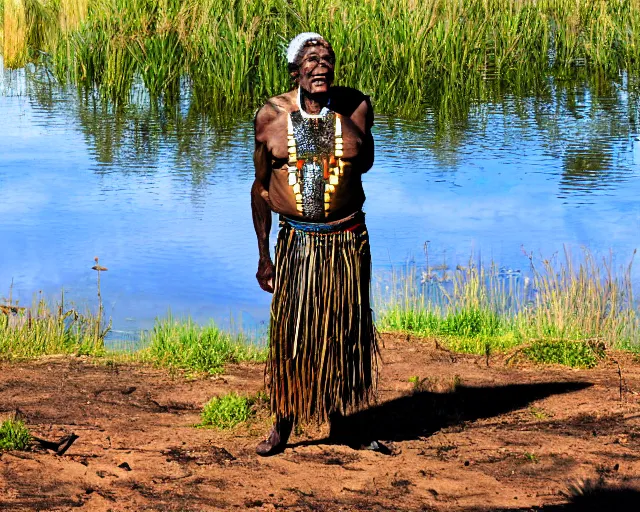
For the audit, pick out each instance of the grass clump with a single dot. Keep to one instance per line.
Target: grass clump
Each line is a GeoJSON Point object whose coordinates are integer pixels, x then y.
{"type": "Point", "coordinates": [188, 346]}
{"type": "Point", "coordinates": [228, 411]}
{"type": "Point", "coordinates": [562, 312]}
{"type": "Point", "coordinates": [14, 435]}
{"type": "Point", "coordinates": [43, 329]}
{"type": "Point", "coordinates": [577, 354]}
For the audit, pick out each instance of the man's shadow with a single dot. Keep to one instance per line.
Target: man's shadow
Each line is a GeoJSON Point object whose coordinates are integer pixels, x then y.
{"type": "Point", "coordinates": [422, 413]}
{"type": "Point", "coordinates": [596, 497]}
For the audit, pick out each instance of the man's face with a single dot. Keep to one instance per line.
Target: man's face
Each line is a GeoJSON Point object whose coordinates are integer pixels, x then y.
{"type": "Point", "coordinates": [316, 69]}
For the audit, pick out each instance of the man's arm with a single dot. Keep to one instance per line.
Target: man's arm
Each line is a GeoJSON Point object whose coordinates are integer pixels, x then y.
{"type": "Point", "coordinates": [260, 209]}
{"type": "Point", "coordinates": [363, 118]}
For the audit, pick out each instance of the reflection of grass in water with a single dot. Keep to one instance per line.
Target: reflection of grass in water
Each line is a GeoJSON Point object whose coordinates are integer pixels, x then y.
{"type": "Point", "coordinates": [14, 435]}
{"type": "Point", "coordinates": [231, 51]}
{"type": "Point", "coordinates": [564, 313]}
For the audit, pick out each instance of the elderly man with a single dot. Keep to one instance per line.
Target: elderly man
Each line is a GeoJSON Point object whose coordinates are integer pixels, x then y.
{"type": "Point", "coordinates": [312, 145]}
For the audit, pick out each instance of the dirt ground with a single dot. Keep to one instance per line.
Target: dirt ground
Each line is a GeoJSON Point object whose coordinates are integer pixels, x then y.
{"type": "Point", "coordinates": [468, 436]}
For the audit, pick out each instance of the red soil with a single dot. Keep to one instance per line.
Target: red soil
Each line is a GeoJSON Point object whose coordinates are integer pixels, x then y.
{"type": "Point", "coordinates": [473, 437]}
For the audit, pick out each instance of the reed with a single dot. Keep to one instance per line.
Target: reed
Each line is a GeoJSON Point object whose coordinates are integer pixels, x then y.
{"type": "Point", "coordinates": [2, 26]}
{"type": "Point", "coordinates": [14, 47]}
{"type": "Point", "coordinates": [45, 329]}
{"type": "Point", "coordinates": [561, 309]}
{"type": "Point", "coordinates": [408, 54]}
{"type": "Point", "coordinates": [72, 13]}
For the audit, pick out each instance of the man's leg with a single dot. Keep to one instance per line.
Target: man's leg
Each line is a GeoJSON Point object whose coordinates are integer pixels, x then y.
{"type": "Point", "coordinates": [278, 437]}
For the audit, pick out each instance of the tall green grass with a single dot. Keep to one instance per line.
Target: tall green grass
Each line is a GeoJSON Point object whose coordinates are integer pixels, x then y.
{"type": "Point", "coordinates": [407, 54]}
{"type": "Point", "coordinates": [481, 308]}
{"type": "Point", "coordinates": [43, 329]}
{"type": "Point", "coordinates": [47, 329]}
{"type": "Point", "coordinates": [184, 345]}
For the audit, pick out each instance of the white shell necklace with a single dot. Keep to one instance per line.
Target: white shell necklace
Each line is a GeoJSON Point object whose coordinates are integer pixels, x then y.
{"type": "Point", "coordinates": [304, 114]}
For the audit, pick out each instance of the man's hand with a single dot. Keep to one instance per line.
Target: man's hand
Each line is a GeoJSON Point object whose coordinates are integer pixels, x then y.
{"type": "Point", "coordinates": [265, 275]}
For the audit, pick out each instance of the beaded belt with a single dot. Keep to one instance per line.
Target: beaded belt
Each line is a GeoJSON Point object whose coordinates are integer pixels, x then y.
{"type": "Point", "coordinates": [350, 223]}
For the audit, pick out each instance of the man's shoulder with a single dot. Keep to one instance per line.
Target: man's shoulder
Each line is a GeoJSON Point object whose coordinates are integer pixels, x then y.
{"type": "Point", "coordinates": [346, 100]}
{"type": "Point", "coordinates": [275, 107]}
{"type": "Point", "coordinates": [270, 114]}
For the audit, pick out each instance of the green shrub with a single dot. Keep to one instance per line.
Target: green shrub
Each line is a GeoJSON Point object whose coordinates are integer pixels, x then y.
{"type": "Point", "coordinates": [577, 354]}
{"type": "Point", "coordinates": [227, 411]}
{"type": "Point", "coordinates": [186, 345]}
{"type": "Point", "coordinates": [14, 435]}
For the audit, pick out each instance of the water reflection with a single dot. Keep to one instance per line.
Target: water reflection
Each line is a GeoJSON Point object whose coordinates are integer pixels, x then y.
{"type": "Point", "coordinates": [161, 192]}
{"type": "Point", "coordinates": [589, 124]}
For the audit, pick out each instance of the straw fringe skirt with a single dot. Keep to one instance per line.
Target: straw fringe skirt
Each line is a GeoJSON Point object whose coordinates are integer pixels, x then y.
{"type": "Point", "coordinates": [323, 352]}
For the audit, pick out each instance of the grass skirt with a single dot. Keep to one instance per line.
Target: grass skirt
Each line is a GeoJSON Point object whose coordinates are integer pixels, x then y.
{"type": "Point", "coordinates": [323, 352]}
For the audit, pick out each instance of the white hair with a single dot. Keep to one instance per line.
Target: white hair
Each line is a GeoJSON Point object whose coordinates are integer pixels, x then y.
{"type": "Point", "coordinates": [298, 42]}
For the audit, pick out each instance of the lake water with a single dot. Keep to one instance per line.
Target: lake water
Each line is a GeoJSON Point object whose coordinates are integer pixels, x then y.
{"type": "Point", "coordinates": [163, 197]}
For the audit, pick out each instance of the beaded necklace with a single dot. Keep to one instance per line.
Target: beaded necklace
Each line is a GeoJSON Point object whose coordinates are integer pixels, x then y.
{"type": "Point", "coordinates": [332, 165]}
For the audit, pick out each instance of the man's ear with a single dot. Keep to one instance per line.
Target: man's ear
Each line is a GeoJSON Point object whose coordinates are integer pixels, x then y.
{"type": "Point", "coordinates": [294, 71]}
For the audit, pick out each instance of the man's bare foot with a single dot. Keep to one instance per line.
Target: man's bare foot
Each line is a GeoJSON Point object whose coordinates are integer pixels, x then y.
{"type": "Point", "coordinates": [277, 440]}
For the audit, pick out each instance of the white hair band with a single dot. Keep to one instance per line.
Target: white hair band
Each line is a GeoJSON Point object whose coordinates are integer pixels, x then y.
{"type": "Point", "coordinates": [298, 42]}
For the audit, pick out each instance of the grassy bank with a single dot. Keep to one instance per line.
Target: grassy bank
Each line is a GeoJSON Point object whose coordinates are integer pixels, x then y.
{"type": "Point", "coordinates": [184, 345]}
{"type": "Point", "coordinates": [566, 309]}
{"type": "Point", "coordinates": [407, 54]}
{"type": "Point", "coordinates": [562, 311]}
{"type": "Point", "coordinates": [45, 329]}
